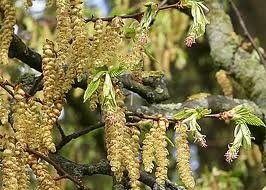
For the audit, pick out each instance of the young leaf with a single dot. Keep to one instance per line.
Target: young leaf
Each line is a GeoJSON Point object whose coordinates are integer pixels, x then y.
{"type": "Point", "coordinates": [198, 26]}
{"type": "Point", "coordinates": [93, 85]}
{"type": "Point", "coordinates": [116, 71]}
{"type": "Point", "coordinates": [246, 136]}
{"type": "Point", "coordinates": [108, 93]}
{"type": "Point", "coordinates": [149, 14]}
{"type": "Point", "coordinates": [201, 112]}
{"type": "Point", "coordinates": [184, 113]}
{"type": "Point", "coordinates": [243, 114]}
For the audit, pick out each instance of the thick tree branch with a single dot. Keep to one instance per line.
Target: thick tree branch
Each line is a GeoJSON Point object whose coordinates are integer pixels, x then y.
{"type": "Point", "coordinates": [153, 89]}
{"type": "Point", "coordinates": [102, 167]}
{"type": "Point", "coordinates": [18, 49]}
{"type": "Point", "coordinates": [227, 52]}
{"type": "Point", "coordinates": [246, 32]}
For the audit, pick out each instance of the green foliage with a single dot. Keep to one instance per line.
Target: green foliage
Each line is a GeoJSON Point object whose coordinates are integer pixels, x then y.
{"type": "Point", "coordinates": [109, 100]}
{"type": "Point", "coordinates": [189, 117]}
{"type": "Point", "coordinates": [93, 85]}
{"type": "Point", "coordinates": [149, 15]}
{"type": "Point", "coordinates": [108, 94]}
{"type": "Point", "coordinates": [242, 116]}
{"type": "Point", "coordinates": [197, 28]}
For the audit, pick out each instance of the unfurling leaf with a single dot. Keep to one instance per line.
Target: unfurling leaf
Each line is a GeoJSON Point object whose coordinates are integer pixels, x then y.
{"type": "Point", "coordinates": [109, 93]}
{"type": "Point", "coordinates": [116, 71]}
{"type": "Point", "coordinates": [93, 85]}
{"type": "Point", "coordinates": [243, 114]}
{"type": "Point", "coordinates": [149, 14]}
{"type": "Point", "coordinates": [189, 117]}
{"type": "Point", "coordinates": [246, 136]}
{"type": "Point", "coordinates": [198, 26]}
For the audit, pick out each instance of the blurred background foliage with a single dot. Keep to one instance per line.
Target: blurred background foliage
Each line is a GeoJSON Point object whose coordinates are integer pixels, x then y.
{"type": "Point", "coordinates": [188, 71]}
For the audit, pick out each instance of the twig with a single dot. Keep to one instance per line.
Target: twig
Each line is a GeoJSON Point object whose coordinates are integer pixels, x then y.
{"type": "Point", "coordinates": [58, 168]}
{"type": "Point", "coordinates": [215, 115]}
{"type": "Point", "coordinates": [137, 116]}
{"type": "Point", "coordinates": [136, 16]}
{"type": "Point", "coordinates": [68, 138]}
{"type": "Point", "coordinates": [61, 131]}
{"type": "Point", "coordinates": [246, 32]}
{"type": "Point", "coordinates": [4, 86]}
{"type": "Point", "coordinates": [27, 96]}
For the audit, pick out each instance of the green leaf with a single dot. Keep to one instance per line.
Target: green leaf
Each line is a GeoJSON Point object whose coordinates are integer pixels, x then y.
{"type": "Point", "coordinates": [184, 113]}
{"type": "Point", "coordinates": [246, 136]}
{"type": "Point", "coordinates": [198, 26]}
{"type": "Point", "coordinates": [93, 85]}
{"type": "Point", "coordinates": [149, 14]}
{"type": "Point", "coordinates": [116, 71]}
{"type": "Point", "coordinates": [108, 93]}
{"type": "Point", "coordinates": [243, 114]}
{"type": "Point", "coordinates": [238, 139]}
{"type": "Point", "coordinates": [201, 112]}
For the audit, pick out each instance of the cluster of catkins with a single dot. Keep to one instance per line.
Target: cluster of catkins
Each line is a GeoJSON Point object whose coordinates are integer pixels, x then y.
{"type": "Point", "coordinates": [155, 150]}
{"type": "Point", "coordinates": [32, 120]}
{"type": "Point", "coordinates": [73, 55]}
{"type": "Point", "coordinates": [27, 129]}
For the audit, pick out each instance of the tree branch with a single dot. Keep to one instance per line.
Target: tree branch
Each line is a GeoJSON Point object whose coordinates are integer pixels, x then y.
{"type": "Point", "coordinates": [102, 167]}
{"type": "Point", "coordinates": [216, 103]}
{"type": "Point", "coordinates": [244, 67]}
{"type": "Point", "coordinates": [59, 168]}
{"type": "Point", "coordinates": [138, 16]}
{"type": "Point", "coordinates": [75, 135]}
{"type": "Point", "coordinates": [18, 49]}
{"type": "Point", "coordinates": [246, 32]}
{"type": "Point", "coordinates": [227, 53]}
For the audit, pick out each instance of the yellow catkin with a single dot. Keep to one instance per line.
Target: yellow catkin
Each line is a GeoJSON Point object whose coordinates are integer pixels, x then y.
{"type": "Point", "coordinates": [4, 111]}
{"type": "Point", "coordinates": [40, 169]}
{"type": "Point", "coordinates": [183, 156]}
{"type": "Point", "coordinates": [148, 151]}
{"type": "Point", "coordinates": [49, 73]}
{"type": "Point", "coordinates": [63, 37]}
{"type": "Point", "coordinates": [9, 167]}
{"type": "Point", "coordinates": [47, 125]}
{"type": "Point", "coordinates": [130, 155]}
{"type": "Point", "coordinates": [22, 175]}
{"type": "Point", "coordinates": [34, 131]}
{"type": "Point", "coordinates": [161, 151]}
{"type": "Point", "coordinates": [106, 43]}
{"type": "Point", "coordinates": [80, 46]}
{"type": "Point", "coordinates": [21, 125]}
{"type": "Point", "coordinates": [114, 129]}
{"type": "Point", "coordinates": [19, 118]}
{"type": "Point", "coordinates": [135, 60]}
{"type": "Point", "coordinates": [6, 31]}
{"type": "Point", "coordinates": [225, 83]}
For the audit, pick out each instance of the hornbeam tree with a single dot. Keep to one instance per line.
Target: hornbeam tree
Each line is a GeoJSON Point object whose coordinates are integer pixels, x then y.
{"type": "Point", "coordinates": [82, 95]}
